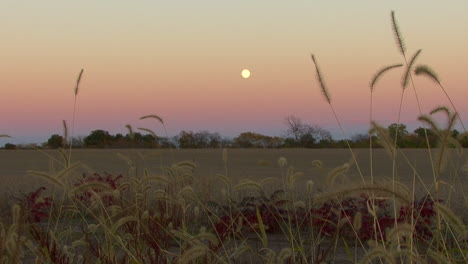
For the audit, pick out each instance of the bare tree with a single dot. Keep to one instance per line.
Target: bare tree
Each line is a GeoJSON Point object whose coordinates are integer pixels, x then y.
{"type": "Point", "coordinates": [305, 135]}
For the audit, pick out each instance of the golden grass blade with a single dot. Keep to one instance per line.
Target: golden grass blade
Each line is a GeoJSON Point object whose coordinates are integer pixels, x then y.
{"type": "Point", "coordinates": [262, 229]}
{"type": "Point", "coordinates": [154, 117]}
{"type": "Point", "coordinates": [78, 82]}
{"type": "Point", "coordinates": [408, 69]}
{"type": "Point", "coordinates": [321, 81]}
{"type": "Point", "coordinates": [380, 73]}
{"type": "Point", "coordinates": [398, 36]}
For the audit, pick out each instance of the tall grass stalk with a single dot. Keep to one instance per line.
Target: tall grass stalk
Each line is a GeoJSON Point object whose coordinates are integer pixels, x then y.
{"type": "Point", "coordinates": [76, 90]}
{"type": "Point", "coordinates": [328, 99]}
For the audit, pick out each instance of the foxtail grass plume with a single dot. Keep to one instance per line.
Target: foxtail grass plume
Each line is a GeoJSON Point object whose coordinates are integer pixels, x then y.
{"type": "Point", "coordinates": [154, 117]}
{"type": "Point", "coordinates": [78, 82]}
{"type": "Point", "coordinates": [380, 73]}
{"type": "Point", "coordinates": [408, 70]}
{"type": "Point", "coordinates": [441, 109]}
{"type": "Point", "coordinates": [398, 36]}
{"type": "Point", "coordinates": [427, 71]}
{"type": "Point", "coordinates": [321, 81]}
{"type": "Point", "coordinates": [65, 133]}
{"type": "Point", "coordinates": [310, 186]}
{"type": "Point", "coordinates": [282, 162]}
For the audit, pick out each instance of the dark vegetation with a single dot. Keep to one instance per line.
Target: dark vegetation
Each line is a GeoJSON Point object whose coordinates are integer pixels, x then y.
{"type": "Point", "coordinates": [298, 135]}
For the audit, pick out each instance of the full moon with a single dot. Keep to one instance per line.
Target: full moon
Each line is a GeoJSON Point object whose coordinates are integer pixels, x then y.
{"type": "Point", "coordinates": [245, 73]}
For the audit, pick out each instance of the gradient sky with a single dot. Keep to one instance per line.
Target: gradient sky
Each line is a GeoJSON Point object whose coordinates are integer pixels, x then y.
{"type": "Point", "coordinates": [182, 61]}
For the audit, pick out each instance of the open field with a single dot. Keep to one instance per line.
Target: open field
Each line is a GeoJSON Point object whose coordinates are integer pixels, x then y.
{"type": "Point", "coordinates": [253, 164]}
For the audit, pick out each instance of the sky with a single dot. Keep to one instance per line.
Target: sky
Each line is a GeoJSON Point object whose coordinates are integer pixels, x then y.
{"type": "Point", "coordinates": [182, 60]}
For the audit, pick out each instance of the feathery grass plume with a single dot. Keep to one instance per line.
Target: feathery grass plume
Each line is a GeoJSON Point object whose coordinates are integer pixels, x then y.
{"type": "Point", "coordinates": [441, 109]}
{"type": "Point", "coordinates": [149, 131]}
{"type": "Point", "coordinates": [452, 122]}
{"type": "Point", "coordinates": [357, 221]}
{"type": "Point", "coordinates": [384, 138]}
{"type": "Point", "coordinates": [246, 184]}
{"type": "Point", "coordinates": [292, 176]}
{"type": "Point", "coordinates": [401, 192]}
{"type": "Point", "coordinates": [265, 181]}
{"type": "Point", "coordinates": [398, 36]}
{"type": "Point", "coordinates": [310, 186]}
{"type": "Point", "coordinates": [130, 131]}
{"type": "Point", "coordinates": [206, 236]}
{"type": "Point", "coordinates": [186, 164]}
{"type": "Point", "coordinates": [321, 81]}
{"type": "Point", "coordinates": [191, 254]}
{"type": "Point", "coordinates": [78, 81]}
{"type": "Point", "coordinates": [186, 191]}
{"type": "Point", "coordinates": [405, 80]}
{"type": "Point", "coordinates": [65, 133]}
{"type": "Point", "coordinates": [334, 173]}
{"type": "Point", "coordinates": [317, 164]}
{"type": "Point", "coordinates": [401, 230]}
{"type": "Point", "coordinates": [299, 204]}
{"type": "Point", "coordinates": [154, 117]}
{"type": "Point", "coordinates": [282, 162]}
{"type": "Point", "coordinates": [225, 179]}
{"type": "Point", "coordinates": [284, 254]}
{"type": "Point", "coordinates": [380, 73]}
{"type": "Point", "coordinates": [122, 221]}
{"type": "Point", "coordinates": [91, 186]}
{"type": "Point", "coordinates": [451, 218]}
{"type": "Point", "coordinates": [427, 71]}
{"type": "Point", "coordinates": [429, 121]}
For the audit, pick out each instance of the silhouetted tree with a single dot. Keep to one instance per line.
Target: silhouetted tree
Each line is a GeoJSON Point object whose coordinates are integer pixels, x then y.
{"type": "Point", "coordinates": [98, 138]}
{"type": "Point", "coordinates": [55, 141]}
{"type": "Point", "coordinates": [300, 134]}
{"type": "Point", "coordinates": [10, 146]}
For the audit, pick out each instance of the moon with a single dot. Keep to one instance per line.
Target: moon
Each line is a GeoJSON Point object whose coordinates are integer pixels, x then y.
{"type": "Point", "coordinates": [245, 73]}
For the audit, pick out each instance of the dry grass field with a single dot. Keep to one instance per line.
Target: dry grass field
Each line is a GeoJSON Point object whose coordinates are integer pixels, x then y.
{"type": "Point", "coordinates": [252, 164]}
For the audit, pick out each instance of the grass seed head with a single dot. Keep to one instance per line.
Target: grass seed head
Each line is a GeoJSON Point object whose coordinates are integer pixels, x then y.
{"type": "Point", "coordinates": [282, 162]}
{"type": "Point", "coordinates": [380, 73]}
{"type": "Point", "coordinates": [398, 36]}
{"type": "Point", "coordinates": [427, 71]}
{"type": "Point", "coordinates": [321, 81]}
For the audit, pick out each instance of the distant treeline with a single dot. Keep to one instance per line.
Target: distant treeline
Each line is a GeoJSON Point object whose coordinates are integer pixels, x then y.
{"type": "Point", "coordinates": [298, 135]}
